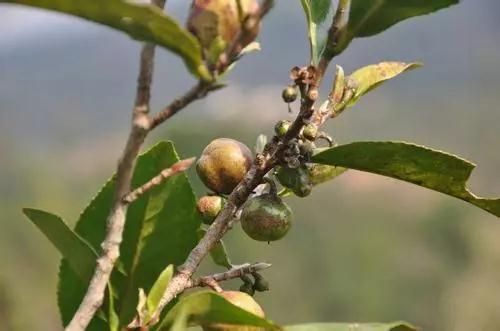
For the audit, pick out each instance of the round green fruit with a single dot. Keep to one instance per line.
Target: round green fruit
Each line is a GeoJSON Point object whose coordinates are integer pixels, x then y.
{"type": "Point", "coordinates": [209, 207]}
{"type": "Point", "coordinates": [209, 19]}
{"type": "Point", "coordinates": [282, 127]}
{"type": "Point", "coordinates": [266, 218]}
{"type": "Point", "coordinates": [310, 132]}
{"type": "Point", "coordinates": [295, 179]}
{"type": "Point", "coordinates": [289, 94]}
{"type": "Point", "coordinates": [223, 164]}
{"type": "Point", "coordinates": [244, 301]}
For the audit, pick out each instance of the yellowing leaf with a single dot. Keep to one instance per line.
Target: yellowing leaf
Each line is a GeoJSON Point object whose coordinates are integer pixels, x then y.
{"type": "Point", "coordinates": [367, 78]}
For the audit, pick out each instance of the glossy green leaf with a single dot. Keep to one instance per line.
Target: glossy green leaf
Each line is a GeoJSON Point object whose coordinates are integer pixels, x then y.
{"type": "Point", "coordinates": [207, 307]}
{"type": "Point", "coordinates": [159, 288]}
{"type": "Point", "coordinates": [367, 78]}
{"type": "Point", "coordinates": [396, 326]}
{"type": "Point", "coordinates": [160, 230]}
{"type": "Point", "coordinates": [436, 170]}
{"type": "Point", "coordinates": [142, 22]}
{"type": "Point", "coordinates": [80, 256]}
{"type": "Point", "coordinates": [370, 17]}
{"type": "Point", "coordinates": [316, 12]}
{"type": "Point", "coordinates": [218, 253]}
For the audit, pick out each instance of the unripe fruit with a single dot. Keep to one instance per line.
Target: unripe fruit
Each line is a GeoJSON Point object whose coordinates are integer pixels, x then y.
{"type": "Point", "coordinates": [306, 148]}
{"type": "Point", "coordinates": [244, 301]}
{"type": "Point", "coordinates": [211, 18]}
{"type": "Point", "coordinates": [295, 179]}
{"type": "Point", "coordinates": [223, 164]}
{"type": "Point", "coordinates": [266, 218]}
{"type": "Point", "coordinates": [247, 288]}
{"type": "Point", "coordinates": [209, 207]}
{"type": "Point", "coordinates": [289, 94]}
{"type": "Point", "coordinates": [261, 284]}
{"type": "Point", "coordinates": [310, 132]}
{"type": "Point", "coordinates": [282, 127]}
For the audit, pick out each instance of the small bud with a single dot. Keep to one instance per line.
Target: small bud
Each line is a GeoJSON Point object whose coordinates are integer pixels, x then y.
{"type": "Point", "coordinates": [209, 207]}
{"type": "Point", "coordinates": [282, 127]}
{"type": "Point", "coordinates": [261, 284]}
{"type": "Point", "coordinates": [306, 149]}
{"type": "Point", "coordinates": [247, 288]}
{"type": "Point", "coordinates": [313, 94]}
{"type": "Point", "coordinates": [310, 132]}
{"type": "Point", "coordinates": [289, 94]}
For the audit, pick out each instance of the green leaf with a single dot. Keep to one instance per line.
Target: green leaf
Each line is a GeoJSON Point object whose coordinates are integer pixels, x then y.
{"type": "Point", "coordinates": [218, 253]}
{"type": "Point", "coordinates": [159, 288]}
{"type": "Point", "coordinates": [181, 321]}
{"type": "Point", "coordinates": [160, 230]}
{"type": "Point", "coordinates": [367, 78]}
{"type": "Point", "coordinates": [316, 12]}
{"type": "Point", "coordinates": [113, 318]}
{"type": "Point", "coordinates": [142, 22]}
{"type": "Point", "coordinates": [206, 307]}
{"type": "Point", "coordinates": [419, 165]}
{"type": "Point", "coordinates": [397, 326]}
{"type": "Point", "coordinates": [80, 256]}
{"type": "Point", "coordinates": [370, 17]}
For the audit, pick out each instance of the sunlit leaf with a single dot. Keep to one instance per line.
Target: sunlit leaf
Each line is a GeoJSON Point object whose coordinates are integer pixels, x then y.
{"type": "Point", "coordinates": [142, 22]}
{"type": "Point", "coordinates": [419, 165]}
{"type": "Point", "coordinates": [397, 326]}
{"type": "Point", "coordinates": [206, 307]}
{"type": "Point", "coordinates": [159, 288]}
{"type": "Point", "coordinates": [367, 78]}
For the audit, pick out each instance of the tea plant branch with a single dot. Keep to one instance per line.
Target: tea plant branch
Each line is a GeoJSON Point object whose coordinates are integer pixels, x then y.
{"type": "Point", "coordinates": [262, 165]}
{"type": "Point", "coordinates": [236, 272]}
{"type": "Point", "coordinates": [142, 124]}
{"type": "Point", "coordinates": [176, 168]}
{"type": "Point", "coordinates": [116, 219]}
{"type": "Point", "coordinates": [199, 91]}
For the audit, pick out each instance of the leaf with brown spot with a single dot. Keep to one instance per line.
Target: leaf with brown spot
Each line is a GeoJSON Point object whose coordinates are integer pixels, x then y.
{"type": "Point", "coordinates": [367, 78]}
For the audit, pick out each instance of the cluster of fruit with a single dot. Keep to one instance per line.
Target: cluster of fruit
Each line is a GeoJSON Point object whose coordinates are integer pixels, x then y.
{"type": "Point", "coordinates": [221, 167]}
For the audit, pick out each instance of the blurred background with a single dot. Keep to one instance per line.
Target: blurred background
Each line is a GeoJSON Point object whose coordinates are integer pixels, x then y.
{"type": "Point", "coordinates": [363, 247]}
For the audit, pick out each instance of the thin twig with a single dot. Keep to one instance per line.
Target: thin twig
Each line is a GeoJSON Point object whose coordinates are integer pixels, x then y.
{"type": "Point", "coordinates": [236, 272]}
{"type": "Point", "coordinates": [178, 167]}
{"type": "Point", "coordinates": [197, 92]}
{"type": "Point", "coordinates": [116, 219]}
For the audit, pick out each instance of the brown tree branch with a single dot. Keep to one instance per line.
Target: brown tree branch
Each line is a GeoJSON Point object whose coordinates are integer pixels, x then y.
{"type": "Point", "coordinates": [178, 167]}
{"type": "Point", "coordinates": [199, 91]}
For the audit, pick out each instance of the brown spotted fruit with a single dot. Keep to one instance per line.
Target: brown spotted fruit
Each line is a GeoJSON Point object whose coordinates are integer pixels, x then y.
{"type": "Point", "coordinates": [266, 217]}
{"type": "Point", "coordinates": [209, 19]}
{"type": "Point", "coordinates": [209, 206]}
{"type": "Point", "coordinates": [223, 164]}
{"type": "Point", "coordinates": [244, 301]}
